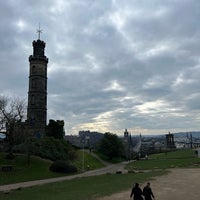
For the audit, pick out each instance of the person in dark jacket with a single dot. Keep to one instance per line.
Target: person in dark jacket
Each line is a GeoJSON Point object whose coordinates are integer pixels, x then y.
{"type": "Point", "coordinates": [136, 192]}
{"type": "Point", "coordinates": [147, 192]}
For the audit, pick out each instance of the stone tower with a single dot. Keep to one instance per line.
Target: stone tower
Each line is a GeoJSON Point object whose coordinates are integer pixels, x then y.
{"type": "Point", "coordinates": [37, 93]}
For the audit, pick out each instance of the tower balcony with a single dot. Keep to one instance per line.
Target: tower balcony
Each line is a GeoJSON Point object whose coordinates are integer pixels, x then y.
{"type": "Point", "coordinates": [37, 57]}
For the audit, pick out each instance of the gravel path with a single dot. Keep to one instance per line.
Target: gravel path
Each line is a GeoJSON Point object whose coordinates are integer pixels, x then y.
{"type": "Point", "coordinates": [179, 184]}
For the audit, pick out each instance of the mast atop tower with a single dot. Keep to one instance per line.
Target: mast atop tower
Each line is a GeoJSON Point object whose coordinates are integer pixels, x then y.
{"type": "Point", "coordinates": [39, 31]}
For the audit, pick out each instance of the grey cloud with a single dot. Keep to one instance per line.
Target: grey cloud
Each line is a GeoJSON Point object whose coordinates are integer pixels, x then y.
{"type": "Point", "coordinates": [149, 50]}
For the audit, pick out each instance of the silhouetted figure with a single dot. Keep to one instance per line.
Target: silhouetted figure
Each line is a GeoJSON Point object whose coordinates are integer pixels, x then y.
{"type": "Point", "coordinates": [136, 192]}
{"type": "Point", "coordinates": [147, 192]}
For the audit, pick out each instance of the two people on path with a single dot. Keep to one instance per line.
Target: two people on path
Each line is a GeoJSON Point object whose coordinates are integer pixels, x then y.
{"type": "Point", "coordinates": [147, 192]}
{"type": "Point", "coordinates": [138, 194]}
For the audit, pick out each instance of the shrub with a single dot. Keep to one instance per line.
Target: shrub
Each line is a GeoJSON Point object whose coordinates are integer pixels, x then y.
{"type": "Point", "coordinates": [62, 166]}
{"type": "Point", "coordinates": [48, 148]}
{"type": "Point", "coordinates": [10, 156]}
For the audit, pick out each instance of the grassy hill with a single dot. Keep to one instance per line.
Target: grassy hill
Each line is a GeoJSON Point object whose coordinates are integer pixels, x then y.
{"type": "Point", "coordinates": [97, 186]}
{"type": "Point", "coordinates": [39, 168]}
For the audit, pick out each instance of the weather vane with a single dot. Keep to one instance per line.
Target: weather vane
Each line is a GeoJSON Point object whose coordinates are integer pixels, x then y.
{"type": "Point", "coordinates": [39, 31]}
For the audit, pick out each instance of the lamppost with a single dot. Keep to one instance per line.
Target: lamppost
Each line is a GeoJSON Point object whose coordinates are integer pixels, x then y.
{"type": "Point", "coordinates": [85, 138]}
{"type": "Point", "coordinates": [83, 160]}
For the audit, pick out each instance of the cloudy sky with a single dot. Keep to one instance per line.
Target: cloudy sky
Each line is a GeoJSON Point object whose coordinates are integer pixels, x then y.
{"type": "Point", "coordinates": [113, 64]}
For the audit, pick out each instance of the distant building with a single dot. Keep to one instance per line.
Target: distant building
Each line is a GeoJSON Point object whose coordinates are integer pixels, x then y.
{"type": "Point", "coordinates": [91, 139]}
{"type": "Point", "coordinates": [186, 140]}
{"type": "Point", "coordinates": [131, 144]}
{"type": "Point", "coordinates": [88, 138]}
{"type": "Point", "coordinates": [127, 144]}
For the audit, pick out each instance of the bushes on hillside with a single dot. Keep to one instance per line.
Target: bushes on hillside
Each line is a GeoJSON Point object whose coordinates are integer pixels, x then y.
{"type": "Point", "coordinates": [49, 148]}
{"type": "Point", "coordinates": [62, 166]}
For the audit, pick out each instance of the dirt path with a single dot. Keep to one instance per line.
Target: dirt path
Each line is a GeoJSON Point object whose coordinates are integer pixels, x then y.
{"type": "Point", "coordinates": [179, 184]}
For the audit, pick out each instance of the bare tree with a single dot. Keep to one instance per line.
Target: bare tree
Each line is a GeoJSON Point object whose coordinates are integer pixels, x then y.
{"type": "Point", "coordinates": [12, 112]}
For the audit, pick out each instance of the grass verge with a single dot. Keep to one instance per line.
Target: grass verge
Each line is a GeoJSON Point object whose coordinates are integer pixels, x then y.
{"type": "Point", "coordinates": [176, 159]}
{"type": "Point", "coordinates": [81, 188]}
{"type": "Point", "coordinates": [89, 163]}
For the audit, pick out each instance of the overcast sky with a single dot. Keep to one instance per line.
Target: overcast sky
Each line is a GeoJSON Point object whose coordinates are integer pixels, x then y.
{"type": "Point", "coordinates": [113, 64]}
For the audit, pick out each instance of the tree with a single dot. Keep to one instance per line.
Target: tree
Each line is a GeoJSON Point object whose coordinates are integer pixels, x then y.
{"type": "Point", "coordinates": [12, 112]}
{"type": "Point", "coordinates": [55, 129]}
{"type": "Point", "coordinates": [111, 146]}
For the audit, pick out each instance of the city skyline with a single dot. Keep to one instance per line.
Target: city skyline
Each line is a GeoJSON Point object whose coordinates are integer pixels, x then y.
{"type": "Point", "coordinates": [112, 64]}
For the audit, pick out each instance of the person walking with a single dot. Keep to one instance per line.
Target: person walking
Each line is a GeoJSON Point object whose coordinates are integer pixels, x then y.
{"type": "Point", "coordinates": [136, 192]}
{"type": "Point", "coordinates": [147, 192]}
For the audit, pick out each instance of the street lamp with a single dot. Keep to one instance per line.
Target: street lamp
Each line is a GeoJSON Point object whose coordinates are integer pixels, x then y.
{"type": "Point", "coordinates": [83, 160]}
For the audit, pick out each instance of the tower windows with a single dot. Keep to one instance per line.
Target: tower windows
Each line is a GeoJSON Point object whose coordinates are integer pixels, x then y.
{"type": "Point", "coordinates": [33, 69]}
{"type": "Point", "coordinates": [34, 83]}
{"type": "Point", "coordinates": [32, 99]}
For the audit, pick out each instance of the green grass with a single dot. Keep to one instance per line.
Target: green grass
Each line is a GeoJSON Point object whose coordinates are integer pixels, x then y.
{"type": "Point", "coordinates": [113, 161]}
{"type": "Point", "coordinates": [89, 161]}
{"type": "Point", "coordinates": [176, 159]}
{"type": "Point", "coordinates": [81, 188]}
{"type": "Point", "coordinates": [38, 168]}
{"type": "Point", "coordinates": [89, 188]}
